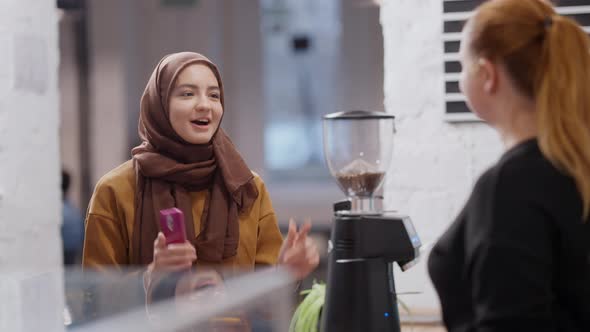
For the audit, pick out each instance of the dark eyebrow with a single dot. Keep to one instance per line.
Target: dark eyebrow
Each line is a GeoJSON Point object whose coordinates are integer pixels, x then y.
{"type": "Point", "coordinates": [187, 85]}
{"type": "Point", "coordinates": [192, 86]}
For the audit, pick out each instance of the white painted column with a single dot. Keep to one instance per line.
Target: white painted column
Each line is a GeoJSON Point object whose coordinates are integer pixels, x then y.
{"type": "Point", "coordinates": [30, 197]}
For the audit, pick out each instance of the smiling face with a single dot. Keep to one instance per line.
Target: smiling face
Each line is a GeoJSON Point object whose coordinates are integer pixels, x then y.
{"type": "Point", "coordinates": [195, 104]}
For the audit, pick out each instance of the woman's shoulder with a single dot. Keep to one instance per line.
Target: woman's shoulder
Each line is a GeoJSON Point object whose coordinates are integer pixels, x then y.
{"type": "Point", "coordinates": [257, 179]}
{"type": "Point", "coordinates": [260, 185]}
{"type": "Point", "coordinates": [523, 170]}
{"type": "Point", "coordinates": [119, 181]}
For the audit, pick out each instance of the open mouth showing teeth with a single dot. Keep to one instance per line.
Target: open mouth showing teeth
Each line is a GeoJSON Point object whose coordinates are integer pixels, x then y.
{"type": "Point", "coordinates": [201, 122]}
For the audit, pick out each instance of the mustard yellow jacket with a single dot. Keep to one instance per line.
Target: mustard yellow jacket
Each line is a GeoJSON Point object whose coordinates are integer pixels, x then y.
{"type": "Point", "coordinates": [110, 219]}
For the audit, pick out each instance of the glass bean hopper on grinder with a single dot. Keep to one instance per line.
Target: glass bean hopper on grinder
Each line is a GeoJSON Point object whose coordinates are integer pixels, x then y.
{"type": "Point", "coordinates": [365, 241]}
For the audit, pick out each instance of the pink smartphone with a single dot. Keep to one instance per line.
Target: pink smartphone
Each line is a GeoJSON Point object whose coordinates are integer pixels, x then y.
{"type": "Point", "coordinates": [172, 225]}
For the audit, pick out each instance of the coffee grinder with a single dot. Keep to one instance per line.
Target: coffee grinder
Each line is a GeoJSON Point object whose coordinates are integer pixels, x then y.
{"type": "Point", "coordinates": [365, 240]}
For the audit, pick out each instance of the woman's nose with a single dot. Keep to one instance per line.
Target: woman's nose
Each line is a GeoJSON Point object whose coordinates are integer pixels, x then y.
{"type": "Point", "coordinates": [203, 103]}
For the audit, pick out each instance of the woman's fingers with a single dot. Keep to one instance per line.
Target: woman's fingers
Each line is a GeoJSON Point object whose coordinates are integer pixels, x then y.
{"type": "Point", "coordinates": [174, 256]}
{"type": "Point", "coordinates": [181, 249]}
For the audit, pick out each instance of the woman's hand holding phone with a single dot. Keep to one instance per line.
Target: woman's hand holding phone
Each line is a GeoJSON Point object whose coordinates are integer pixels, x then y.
{"type": "Point", "coordinates": [172, 257]}
{"type": "Point", "coordinates": [172, 251]}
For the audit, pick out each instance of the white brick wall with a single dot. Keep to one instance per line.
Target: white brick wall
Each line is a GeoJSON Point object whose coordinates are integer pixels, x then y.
{"type": "Point", "coordinates": [435, 163]}
{"type": "Point", "coordinates": [30, 196]}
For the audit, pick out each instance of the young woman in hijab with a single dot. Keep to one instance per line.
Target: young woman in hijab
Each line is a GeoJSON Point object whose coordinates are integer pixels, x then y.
{"type": "Point", "coordinates": [187, 161]}
{"type": "Point", "coordinates": [517, 258]}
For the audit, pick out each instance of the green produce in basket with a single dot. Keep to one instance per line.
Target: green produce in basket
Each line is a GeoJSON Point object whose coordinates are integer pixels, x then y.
{"type": "Point", "coordinates": [307, 316]}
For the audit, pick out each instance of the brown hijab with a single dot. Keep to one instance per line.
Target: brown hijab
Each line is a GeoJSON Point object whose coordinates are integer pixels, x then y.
{"type": "Point", "coordinates": [168, 168]}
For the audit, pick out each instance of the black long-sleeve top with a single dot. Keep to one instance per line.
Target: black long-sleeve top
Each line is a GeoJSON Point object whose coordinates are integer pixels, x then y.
{"type": "Point", "coordinates": [517, 258]}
